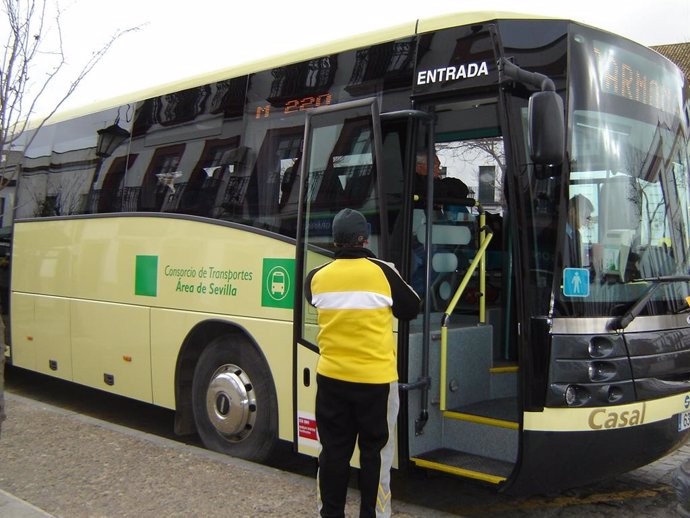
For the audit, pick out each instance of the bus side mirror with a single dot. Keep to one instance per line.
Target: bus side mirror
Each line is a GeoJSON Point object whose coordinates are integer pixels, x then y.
{"type": "Point", "coordinates": [546, 128]}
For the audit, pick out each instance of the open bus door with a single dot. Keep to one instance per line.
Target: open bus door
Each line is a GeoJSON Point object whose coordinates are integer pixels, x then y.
{"type": "Point", "coordinates": [464, 420]}
{"type": "Point", "coordinates": [338, 170]}
{"type": "Point", "coordinates": [472, 416]}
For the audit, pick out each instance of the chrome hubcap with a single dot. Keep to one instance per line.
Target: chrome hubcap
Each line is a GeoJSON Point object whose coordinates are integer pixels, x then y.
{"type": "Point", "coordinates": [231, 402]}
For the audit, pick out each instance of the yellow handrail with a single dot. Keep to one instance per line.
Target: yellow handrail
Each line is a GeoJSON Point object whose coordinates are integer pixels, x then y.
{"type": "Point", "coordinates": [482, 269]}
{"type": "Point", "coordinates": [485, 239]}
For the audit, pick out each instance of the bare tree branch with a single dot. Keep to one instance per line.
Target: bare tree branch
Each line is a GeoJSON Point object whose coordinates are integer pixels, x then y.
{"type": "Point", "coordinates": [34, 34]}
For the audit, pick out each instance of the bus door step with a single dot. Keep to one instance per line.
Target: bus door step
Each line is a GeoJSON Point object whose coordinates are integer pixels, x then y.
{"type": "Point", "coordinates": [465, 465]}
{"type": "Point", "coordinates": [501, 412]}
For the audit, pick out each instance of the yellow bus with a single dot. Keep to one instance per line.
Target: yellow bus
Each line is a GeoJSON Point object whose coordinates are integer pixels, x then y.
{"type": "Point", "coordinates": [159, 244]}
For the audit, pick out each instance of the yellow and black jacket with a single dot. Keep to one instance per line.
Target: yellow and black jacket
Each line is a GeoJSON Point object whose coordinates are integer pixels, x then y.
{"type": "Point", "coordinates": [357, 297]}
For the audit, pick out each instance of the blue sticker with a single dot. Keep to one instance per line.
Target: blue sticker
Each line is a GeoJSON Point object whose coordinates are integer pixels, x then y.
{"type": "Point", "coordinates": [576, 282]}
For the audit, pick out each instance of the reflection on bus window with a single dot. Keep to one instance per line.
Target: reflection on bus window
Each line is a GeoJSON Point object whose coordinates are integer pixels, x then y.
{"type": "Point", "coordinates": [466, 171]}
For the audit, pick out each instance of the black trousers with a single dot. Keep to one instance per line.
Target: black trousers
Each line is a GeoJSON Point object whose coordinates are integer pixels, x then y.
{"type": "Point", "coordinates": [348, 414]}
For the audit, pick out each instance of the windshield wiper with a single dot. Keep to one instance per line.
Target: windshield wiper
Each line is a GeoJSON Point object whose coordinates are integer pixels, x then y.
{"type": "Point", "coordinates": [620, 323]}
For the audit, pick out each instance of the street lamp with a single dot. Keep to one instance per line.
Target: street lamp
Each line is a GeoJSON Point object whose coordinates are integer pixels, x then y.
{"type": "Point", "coordinates": [110, 138]}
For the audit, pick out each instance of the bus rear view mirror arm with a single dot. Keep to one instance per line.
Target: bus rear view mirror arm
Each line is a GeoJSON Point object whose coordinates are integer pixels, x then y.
{"type": "Point", "coordinates": [546, 132]}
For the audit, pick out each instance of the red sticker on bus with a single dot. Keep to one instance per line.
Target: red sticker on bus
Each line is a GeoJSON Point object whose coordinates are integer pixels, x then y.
{"type": "Point", "coordinates": [307, 428]}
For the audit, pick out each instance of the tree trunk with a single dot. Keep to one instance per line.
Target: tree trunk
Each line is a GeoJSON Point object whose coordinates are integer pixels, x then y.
{"type": "Point", "coordinates": [2, 372]}
{"type": "Point", "coordinates": [2, 382]}
{"type": "Point", "coordinates": [4, 315]}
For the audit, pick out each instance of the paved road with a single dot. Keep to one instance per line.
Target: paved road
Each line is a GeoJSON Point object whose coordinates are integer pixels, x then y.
{"type": "Point", "coordinates": [70, 464]}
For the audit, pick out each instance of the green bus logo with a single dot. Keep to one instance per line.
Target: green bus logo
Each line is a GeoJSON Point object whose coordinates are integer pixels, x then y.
{"type": "Point", "coordinates": [277, 286]}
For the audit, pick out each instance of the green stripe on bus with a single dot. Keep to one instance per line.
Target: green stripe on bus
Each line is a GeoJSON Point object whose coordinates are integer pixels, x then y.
{"type": "Point", "coordinates": [146, 277]}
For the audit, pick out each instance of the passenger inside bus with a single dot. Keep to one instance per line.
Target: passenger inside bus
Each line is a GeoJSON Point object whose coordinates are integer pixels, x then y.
{"type": "Point", "coordinates": [449, 193]}
{"type": "Point", "coordinates": [446, 189]}
{"type": "Point", "coordinates": [579, 216]}
{"type": "Point", "coordinates": [575, 252]}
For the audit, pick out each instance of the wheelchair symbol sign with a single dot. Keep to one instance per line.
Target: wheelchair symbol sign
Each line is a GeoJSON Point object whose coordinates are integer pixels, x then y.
{"type": "Point", "coordinates": [576, 282]}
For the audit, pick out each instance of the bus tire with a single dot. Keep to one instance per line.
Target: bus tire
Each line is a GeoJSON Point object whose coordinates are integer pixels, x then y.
{"type": "Point", "coordinates": [234, 400]}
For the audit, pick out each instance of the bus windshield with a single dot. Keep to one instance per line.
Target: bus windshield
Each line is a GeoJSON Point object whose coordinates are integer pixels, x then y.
{"type": "Point", "coordinates": [627, 217]}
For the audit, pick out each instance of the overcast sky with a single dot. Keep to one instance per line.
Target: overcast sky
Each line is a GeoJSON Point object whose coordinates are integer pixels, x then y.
{"type": "Point", "coordinates": [179, 39]}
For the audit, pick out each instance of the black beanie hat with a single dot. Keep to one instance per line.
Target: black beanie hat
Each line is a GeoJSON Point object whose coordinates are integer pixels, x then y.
{"type": "Point", "coordinates": [350, 228]}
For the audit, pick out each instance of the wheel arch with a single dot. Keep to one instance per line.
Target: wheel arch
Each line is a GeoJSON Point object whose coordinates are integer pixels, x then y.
{"type": "Point", "coordinates": [193, 345]}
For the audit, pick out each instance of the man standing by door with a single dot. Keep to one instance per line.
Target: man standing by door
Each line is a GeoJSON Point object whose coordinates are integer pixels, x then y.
{"type": "Point", "coordinates": [356, 297]}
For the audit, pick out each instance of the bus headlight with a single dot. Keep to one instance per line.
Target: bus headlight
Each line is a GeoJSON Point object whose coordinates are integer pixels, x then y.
{"type": "Point", "coordinates": [601, 371]}
{"type": "Point", "coordinates": [615, 394]}
{"type": "Point", "coordinates": [576, 395]}
{"type": "Point", "coordinates": [600, 347]}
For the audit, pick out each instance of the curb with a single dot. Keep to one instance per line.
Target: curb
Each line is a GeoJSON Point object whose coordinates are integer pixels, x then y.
{"type": "Point", "coordinates": [15, 507]}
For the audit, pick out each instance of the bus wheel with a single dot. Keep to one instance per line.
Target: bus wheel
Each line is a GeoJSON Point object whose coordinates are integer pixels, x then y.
{"type": "Point", "coordinates": [234, 402]}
